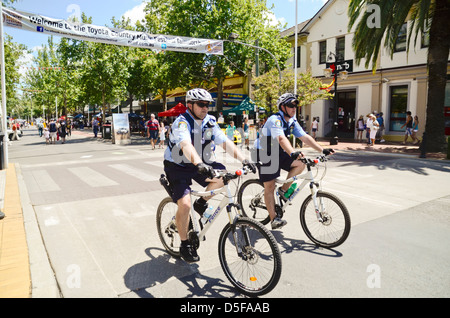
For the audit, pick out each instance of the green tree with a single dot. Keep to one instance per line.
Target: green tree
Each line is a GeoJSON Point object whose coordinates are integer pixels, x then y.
{"type": "Point", "coordinates": [217, 19]}
{"type": "Point", "coordinates": [13, 52]}
{"type": "Point", "coordinates": [425, 16]}
{"type": "Point", "coordinates": [309, 89]}
{"type": "Point", "coordinates": [104, 72]}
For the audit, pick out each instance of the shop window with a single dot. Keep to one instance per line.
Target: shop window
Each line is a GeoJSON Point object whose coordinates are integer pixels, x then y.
{"type": "Point", "coordinates": [340, 47]}
{"type": "Point", "coordinates": [322, 52]}
{"type": "Point", "coordinates": [400, 44]}
{"type": "Point", "coordinates": [398, 107]}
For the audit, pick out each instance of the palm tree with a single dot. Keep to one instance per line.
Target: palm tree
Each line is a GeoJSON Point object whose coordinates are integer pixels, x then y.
{"type": "Point", "coordinates": [430, 16]}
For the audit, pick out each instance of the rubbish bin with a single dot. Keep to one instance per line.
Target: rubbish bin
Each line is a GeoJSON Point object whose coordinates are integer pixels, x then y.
{"type": "Point", "coordinates": [106, 131]}
{"type": "Point", "coordinates": [2, 135]}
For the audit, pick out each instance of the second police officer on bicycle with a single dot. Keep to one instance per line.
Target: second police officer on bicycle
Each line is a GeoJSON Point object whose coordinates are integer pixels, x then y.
{"type": "Point", "coordinates": [189, 157]}
{"type": "Point", "coordinates": [275, 152]}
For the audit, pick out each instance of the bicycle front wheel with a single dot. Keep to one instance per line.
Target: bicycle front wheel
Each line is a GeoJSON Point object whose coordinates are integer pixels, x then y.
{"type": "Point", "coordinates": [329, 226]}
{"type": "Point", "coordinates": [251, 200]}
{"type": "Point", "coordinates": [167, 230]}
{"type": "Point", "coordinates": [250, 257]}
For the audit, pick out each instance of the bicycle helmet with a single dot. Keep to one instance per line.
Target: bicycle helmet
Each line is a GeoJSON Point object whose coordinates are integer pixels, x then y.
{"type": "Point", "coordinates": [198, 94]}
{"type": "Point", "coordinates": [286, 98]}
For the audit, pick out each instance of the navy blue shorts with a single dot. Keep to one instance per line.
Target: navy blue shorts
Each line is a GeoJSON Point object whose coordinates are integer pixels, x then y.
{"type": "Point", "coordinates": [270, 170]}
{"type": "Point", "coordinates": [180, 178]}
{"type": "Point", "coordinates": [153, 134]}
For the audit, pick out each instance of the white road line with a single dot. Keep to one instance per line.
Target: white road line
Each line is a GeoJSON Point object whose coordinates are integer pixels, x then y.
{"type": "Point", "coordinates": [44, 181]}
{"type": "Point", "coordinates": [137, 173]}
{"type": "Point", "coordinates": [92, 177]}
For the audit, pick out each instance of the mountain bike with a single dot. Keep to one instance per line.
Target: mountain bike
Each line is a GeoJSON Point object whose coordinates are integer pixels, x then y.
{"type": "Point", "coordinates": [323, 216]}
{"type": "Point", "coordinates": [248, 252]}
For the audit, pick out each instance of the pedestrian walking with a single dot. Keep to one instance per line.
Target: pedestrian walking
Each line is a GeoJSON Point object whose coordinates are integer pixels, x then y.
{"type": "Point", "coordinates": [53, 131]}
{"type": "Point", "coordinates": [360, 128]}
{"type": "Point", "coordinates": [152, 130]}
{"type": "Point", "coordinates": [40, 128]}
{"type": "Point", "coordinates": [230, 131]}
{"type": "Point", "coordinates": [62, 131]}
{"type": "Point", "coordinates": [374, 126]}
{"type": "Point", "coordinates": [408, 128]}
{"type": "Point", "coordinates": [95, 125]}
{"type": "Point", "coordinates": [380, 131]}
{"type": "Point", "coordinates": [46, 134]}
{"type": "Point", "coordinates": [415, 130]}
{"type": "Point", "coordinates": [162, 135]}
{"type": "Point", "coordinates": [314, 127]}
{"type": "Point", "coordinates": [245, 129]}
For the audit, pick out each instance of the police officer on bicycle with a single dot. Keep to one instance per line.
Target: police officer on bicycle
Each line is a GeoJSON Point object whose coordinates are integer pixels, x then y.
{"type": "Point", "coordinates": [189, 156]}
{"type": "Point", "coordinates": [275, 152]}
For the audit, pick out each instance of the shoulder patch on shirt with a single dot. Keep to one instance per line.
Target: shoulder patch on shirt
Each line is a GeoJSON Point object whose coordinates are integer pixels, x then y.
{"type": "Point", "coordinates": [182, 125]}
{"type": "Point", "coordinates": [277, 123]}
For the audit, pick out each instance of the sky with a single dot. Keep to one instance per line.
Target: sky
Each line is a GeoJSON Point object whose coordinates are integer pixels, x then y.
{"type": "Point", "coordinates": [102, 11]}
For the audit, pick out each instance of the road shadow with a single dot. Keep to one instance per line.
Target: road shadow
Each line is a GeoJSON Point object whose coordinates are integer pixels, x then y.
{"type": "Point", "coordinates": [290, 245]}
{"type": "Point", "coordinates": [140, 278]}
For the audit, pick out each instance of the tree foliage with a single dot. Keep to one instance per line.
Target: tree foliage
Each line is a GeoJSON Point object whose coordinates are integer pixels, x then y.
{"type": "Point", "coordinates": [309, 89]}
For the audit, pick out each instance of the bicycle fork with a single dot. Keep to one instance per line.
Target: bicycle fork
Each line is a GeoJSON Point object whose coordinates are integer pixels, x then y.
{"type": "Point", "coordinates": [318, 206]}
{"type": "Point", "coordinates": [239, 250]}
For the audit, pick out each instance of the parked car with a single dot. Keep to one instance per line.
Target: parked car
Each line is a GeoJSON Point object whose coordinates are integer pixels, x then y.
{"type": "Point", "coordinates": [237, 134]}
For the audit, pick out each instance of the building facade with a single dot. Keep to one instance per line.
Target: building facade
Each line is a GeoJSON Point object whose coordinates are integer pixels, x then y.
{"type": "Point", "coordinates": [398, 85]}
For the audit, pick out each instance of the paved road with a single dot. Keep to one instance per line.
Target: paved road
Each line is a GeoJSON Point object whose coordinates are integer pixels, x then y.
{"type": "Point", "coordinates": [94, 205]}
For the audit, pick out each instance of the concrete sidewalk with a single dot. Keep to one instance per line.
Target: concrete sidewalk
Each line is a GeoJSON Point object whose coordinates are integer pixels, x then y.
{"type": "Point", "coordinates": [17, 247]}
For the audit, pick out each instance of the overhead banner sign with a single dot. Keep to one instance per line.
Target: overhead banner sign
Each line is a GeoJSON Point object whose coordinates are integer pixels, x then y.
{"type": "Point", "coordinates": [89, 32]}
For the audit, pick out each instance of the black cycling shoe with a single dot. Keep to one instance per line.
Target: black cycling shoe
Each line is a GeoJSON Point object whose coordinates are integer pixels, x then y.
{"type": "Point", "coordinates": [189, 253]}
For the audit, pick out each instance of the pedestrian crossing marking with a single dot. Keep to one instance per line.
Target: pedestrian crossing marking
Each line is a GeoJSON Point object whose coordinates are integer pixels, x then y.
{"type": "Point", "coordinates": [92, 177]}
{"type": "Point", "coordinates": [137, 173]}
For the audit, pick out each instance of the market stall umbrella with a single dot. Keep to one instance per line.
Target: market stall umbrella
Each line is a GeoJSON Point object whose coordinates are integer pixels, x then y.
{"type": "Point", "coordinates": [247, 105]}
{"type": "Point", "coordinates": [175, 111]}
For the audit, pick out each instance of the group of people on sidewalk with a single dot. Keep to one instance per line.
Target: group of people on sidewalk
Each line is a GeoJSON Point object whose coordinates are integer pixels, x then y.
{"type": "Point", "coordinates": [54, 130]}
{"type": "Point", "coordinates": [374, 128]}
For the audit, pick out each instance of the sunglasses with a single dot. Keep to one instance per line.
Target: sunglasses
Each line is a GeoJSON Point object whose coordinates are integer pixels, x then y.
{"type": "Point", "coordinates": [292, 104]}
{"type": "Point", "coordinates": [202, 104]}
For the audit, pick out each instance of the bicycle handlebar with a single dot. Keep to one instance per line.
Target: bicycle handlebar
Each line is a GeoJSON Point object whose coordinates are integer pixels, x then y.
{"type": "Point", "coordinates": [313, 162]}
{"type": "Point", "coordinates": [224, 174]}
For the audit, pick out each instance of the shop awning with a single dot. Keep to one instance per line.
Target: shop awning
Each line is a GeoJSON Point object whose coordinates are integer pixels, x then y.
{"type": "Point", "coordinates": [175, 111]}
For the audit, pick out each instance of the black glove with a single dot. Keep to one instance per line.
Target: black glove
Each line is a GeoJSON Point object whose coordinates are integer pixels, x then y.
{"type": "Point", "coordinates": [205, 170]}
{"type": "Point", "coordinates": [296, 154]}
{"type": "Point", "coordinates": [328, 151]}
{"type": "Point", "coordinates": [249, 165]}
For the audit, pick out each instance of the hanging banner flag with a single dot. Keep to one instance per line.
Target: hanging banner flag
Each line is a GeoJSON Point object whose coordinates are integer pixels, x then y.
{"type": "Point", "coordinates": [89, 32]}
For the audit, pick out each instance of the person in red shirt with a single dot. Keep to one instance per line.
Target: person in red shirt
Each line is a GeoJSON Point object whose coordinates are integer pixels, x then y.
{"type": "Point", "coordinates": [152, 130]}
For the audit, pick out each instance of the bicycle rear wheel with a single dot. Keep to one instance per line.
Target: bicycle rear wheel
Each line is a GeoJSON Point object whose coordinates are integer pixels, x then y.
{"type": "Point", "coordinates": [167, 230]}
{"type": "Point", "coordinates": [250, 257]}
{"type": "Point", "coordinates": [333, 228]}
{"type": "Point", "coordinates": [251, 200]}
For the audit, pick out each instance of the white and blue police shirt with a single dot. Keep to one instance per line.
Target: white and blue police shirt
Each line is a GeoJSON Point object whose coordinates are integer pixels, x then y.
{"type": "Point", "coordinates": [274, 128]}
{"type": "Point", "coordinates": [181, 131]}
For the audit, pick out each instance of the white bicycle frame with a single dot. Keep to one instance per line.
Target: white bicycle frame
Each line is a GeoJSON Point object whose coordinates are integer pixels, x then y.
{"type": "Point", "coordinates": [227, 200]}
{"type": "Point", "coordinates": [313, 185]}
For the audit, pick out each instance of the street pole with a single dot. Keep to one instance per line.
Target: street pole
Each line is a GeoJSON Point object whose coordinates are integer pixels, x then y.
{"type": "Point", "coordinates": [334, 138]}
{"type": "Point", "coordinates": [3, 85]}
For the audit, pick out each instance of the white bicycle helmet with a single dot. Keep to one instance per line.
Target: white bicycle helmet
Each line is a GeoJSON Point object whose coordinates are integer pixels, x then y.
{"type": "Point", "coordinates": [286, 98]}
{"type": "Point", "coordinates": [198, 94]}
